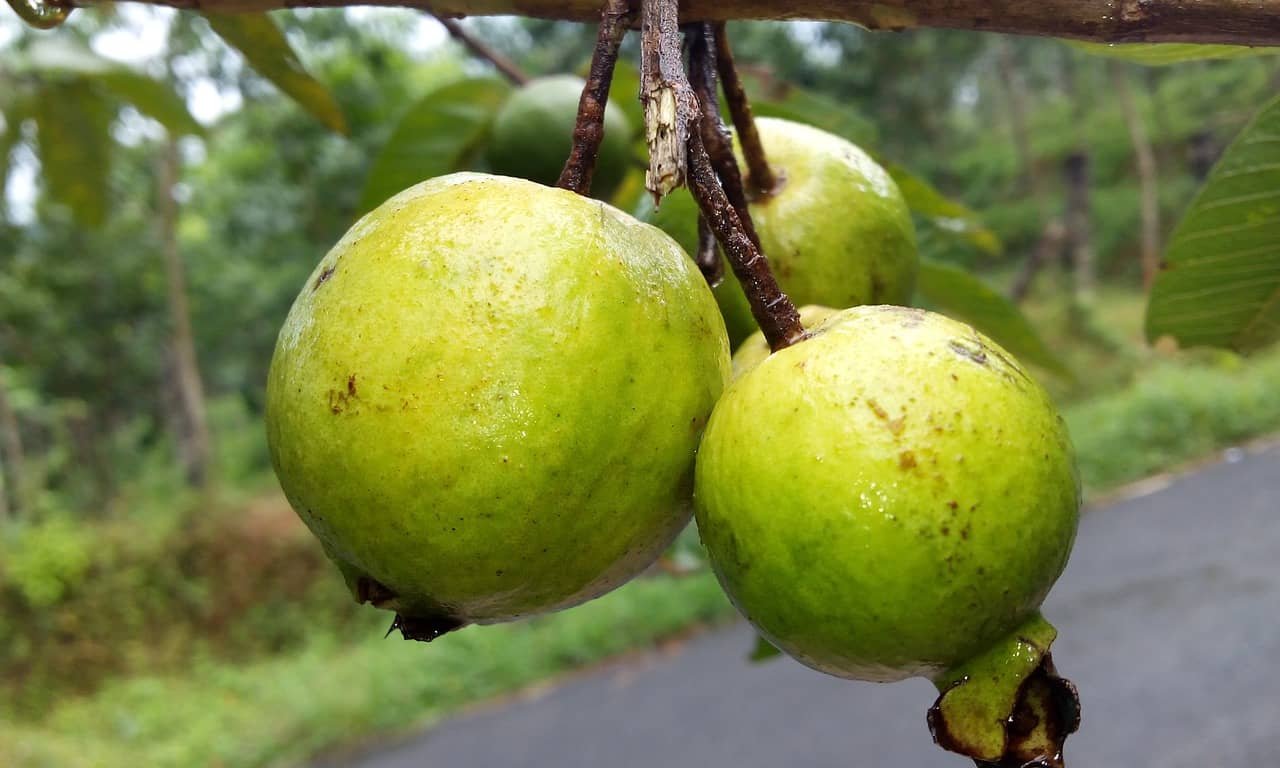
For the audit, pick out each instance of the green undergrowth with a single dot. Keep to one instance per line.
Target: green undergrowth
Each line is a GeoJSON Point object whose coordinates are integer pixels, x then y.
{"type": "Point", "coordinates": [281, 711]}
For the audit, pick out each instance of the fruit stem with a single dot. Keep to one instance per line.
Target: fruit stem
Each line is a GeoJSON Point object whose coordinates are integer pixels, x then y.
{"type": "Point", "coordinates": [772, 310]}
{"type": "Point", "coordinates": [671, 109]}
{"type": "Point", "coordinates": [481, 50]}
{"type": "Point", "coordinates": [588, 132]}
{"type": "Point", "coordinates": [708, 257]}
{"type": "Point", "coordinates": [701, 39]}
{"type": "Point", "coordinates": [761, 179]}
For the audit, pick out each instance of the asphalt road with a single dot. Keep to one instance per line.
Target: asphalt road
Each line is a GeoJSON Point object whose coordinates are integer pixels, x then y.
{"type": "Point", "coordinates": [1170, 624]}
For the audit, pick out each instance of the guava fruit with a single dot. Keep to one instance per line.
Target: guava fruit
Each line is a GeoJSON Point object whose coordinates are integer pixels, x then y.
{"type": "Point", "coordinates": [837, 232]}
{"type": "Point", "coordinates": [892, 497]}
{"type": "Point", "coordinates": [533, 133]}
{"type": "Point", "coordinates": [486, 399]}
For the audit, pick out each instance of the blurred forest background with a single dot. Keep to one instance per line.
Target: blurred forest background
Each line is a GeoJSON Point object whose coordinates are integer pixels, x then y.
{"type": "Point", "coordinates": [159, 602]}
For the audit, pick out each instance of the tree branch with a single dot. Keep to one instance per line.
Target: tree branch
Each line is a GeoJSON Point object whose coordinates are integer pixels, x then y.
{"type": "Point", "coordinates": [588, 131]}
{"type": "Point", "coordinates": [481, 49]}
{"type": "Point", "coordinates": [760, 177]}
{"type": "Point", "coordinates": [1240, 22]}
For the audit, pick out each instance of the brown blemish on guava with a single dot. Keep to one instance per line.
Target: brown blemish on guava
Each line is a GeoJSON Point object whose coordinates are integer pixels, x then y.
{"type": "Point", "coordinates": [351, 385]}
{"type": "Point", "coordinates": [323, 277]}
{"type": "Point", "coordinates": [906, 460]}
{"type": "Point", "coordinates": [895, 425]}
{"type": "Point", "coordinates": [880, 413]}
{"type": "Point", "coordinates": [977, 355]}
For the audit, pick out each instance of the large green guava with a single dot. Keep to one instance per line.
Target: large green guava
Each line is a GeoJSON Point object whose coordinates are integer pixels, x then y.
{"type": "Point", "coordinates": [889, 497]}
{"type": "Point", "coordinates": [533, 134]}
{"type": "Point", "coordinates": [837, 232]}
{"type": "Point", "coordinates": [485, 401]}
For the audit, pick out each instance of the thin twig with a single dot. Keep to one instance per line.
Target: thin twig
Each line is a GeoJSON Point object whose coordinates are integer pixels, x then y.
{"type": "Point", "coordinates": [701, 39]}
{"type": "Point", "coordinates": [761, 179]}
{"type": "Point", "coordinates": [481, 49]}
{"type": "Point", "coordinates": [588, 132]}
{"type": "Point", "coordinates": [665, 82]}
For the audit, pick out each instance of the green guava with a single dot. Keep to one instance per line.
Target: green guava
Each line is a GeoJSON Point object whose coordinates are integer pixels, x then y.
{"type": "Point", "coordinates": [837, 232]}
{"type": "Point", "coordinates": [533, 134]}
{"type": "Point", "coordinates": [486, 399]}
{"type": "Point", "coordinates": [888, 498]}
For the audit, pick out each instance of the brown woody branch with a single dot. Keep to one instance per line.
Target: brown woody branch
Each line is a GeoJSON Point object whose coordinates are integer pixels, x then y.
{"type": "Point", "coordinates": [761, 179]}
{"type": "Point", "coordinates": [678, 113]}
{"type": "Point", "coordinates": [1241, 22]}
{"type": "Point", "coordinates": [588, 131]}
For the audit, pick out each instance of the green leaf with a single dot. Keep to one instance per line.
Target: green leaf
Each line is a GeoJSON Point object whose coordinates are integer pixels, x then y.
{"type": "Point", "coordinates": [1219, 285]}
{"type": "Point", "coordinates": [152, 98]}
{"type": "Point", "coordinates": [73, 124]}
{"type": "Point", "coordinates": [942, 212]}
{"type": "Point", "coordinates": [264, 46]}
{"type": "Point", "coordinates": [436, 136]}
{"type": "Point", "coordinates": [1164, 54]}
{"type": "Point", "coordinates": [63, 58]}
{"type": "Point", "coordinates": [763, 651]}
{"type": "Point", "coordinates": [963, 296]}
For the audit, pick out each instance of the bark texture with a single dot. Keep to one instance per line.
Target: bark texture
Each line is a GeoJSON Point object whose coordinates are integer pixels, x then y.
{"type": "Point", "coordinates": [1243, 22]}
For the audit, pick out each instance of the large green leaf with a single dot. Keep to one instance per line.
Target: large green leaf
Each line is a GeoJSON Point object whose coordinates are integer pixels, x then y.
{"type": "Point", "coordinates": [436, 136]}
{"type": "Point", "coordinates": [961, 295]}
{"type": "Point", "coordinates": [264, 46]}
{"type": "Point", "coordinates": [152, 98]}
{"type": "Point", "coordinates": [1164, 54]}
{"type": "Point", "coordinates": [64, 58]}
{"type": "Point", "coordinates": [1219, 284]}
{"type": "Point", "coordinates": [944, 213]}
{"type": "Point", "coordinates": [73, 124]}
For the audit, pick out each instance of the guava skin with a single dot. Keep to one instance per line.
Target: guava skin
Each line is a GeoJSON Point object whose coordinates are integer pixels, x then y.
{"type": "Point", "coordinates": [533, 134]}
{"type": "Point", "coordinates": [836, 233]}
{"type": "Point", "coordinates": [888, 497]}
{"type": "Point", "coordinates": [486, 400]}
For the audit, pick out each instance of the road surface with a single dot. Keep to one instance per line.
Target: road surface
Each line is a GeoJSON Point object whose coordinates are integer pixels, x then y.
{"type": "Point", "coordinates": [1170, 625]}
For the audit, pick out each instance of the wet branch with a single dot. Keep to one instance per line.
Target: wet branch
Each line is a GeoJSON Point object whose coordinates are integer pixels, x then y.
{"type": "Point", "coordinates": [481, 49]}
{"type": "Point", "coordinates": [761, 179]}
{"type": "Point", "coordinates": [588, 132]}
{"type": "Point", "coordinates": [669, 103]}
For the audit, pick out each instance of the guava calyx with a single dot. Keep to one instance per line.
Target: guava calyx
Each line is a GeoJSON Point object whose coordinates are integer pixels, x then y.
{"type": "Point", "coordinates": [423, 627]}
{"type": "Point", "coordinates": [1008, 707]}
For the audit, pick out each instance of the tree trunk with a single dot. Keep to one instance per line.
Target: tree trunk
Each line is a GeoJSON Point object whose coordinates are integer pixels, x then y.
{"type": "Point", "coordinates": [13, 499]}
{"type": "Point", "coordinates": [1015, 88]}
{"type": "Point", "coordinates": [1080, 227]}
{"type": "Point", "coordinates": [1049, 247]}
{"type": "Point", "coordinates": [1148, 180]}
{"type": "Point", "coordinates": [190, 429]}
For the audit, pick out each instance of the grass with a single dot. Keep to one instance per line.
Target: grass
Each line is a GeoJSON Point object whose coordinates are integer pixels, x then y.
{"type": "Point", "coordinates": [1141, 415]}
{"type": "Point", "coordinates": [280, 712]}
